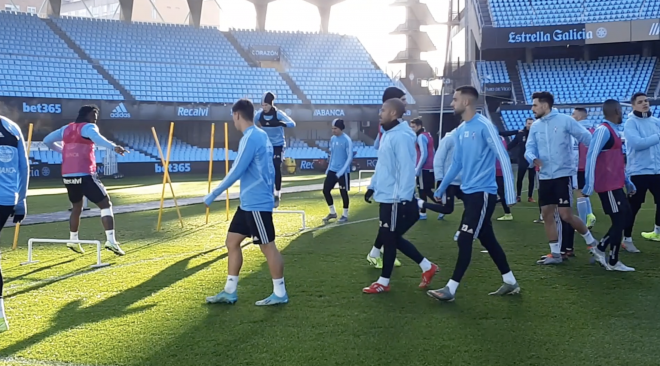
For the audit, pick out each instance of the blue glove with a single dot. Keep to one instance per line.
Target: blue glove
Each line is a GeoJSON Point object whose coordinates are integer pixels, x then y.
{"type": "Point", "coordinates": [438, 194]}
{"type": "Point", "coordinates": [630, 188]}
{"type": "Point", "coordinates": [20, 210]}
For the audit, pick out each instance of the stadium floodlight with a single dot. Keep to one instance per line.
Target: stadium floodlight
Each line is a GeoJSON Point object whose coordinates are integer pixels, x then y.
{"type": "Point", "coordinates": [98, 264]}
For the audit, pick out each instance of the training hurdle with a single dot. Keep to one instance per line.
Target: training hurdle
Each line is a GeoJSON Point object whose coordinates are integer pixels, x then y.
{"type": "Point", "coordinates": [98, 264]}
{"type": "Point", "coordinates": [360, 177]}
{"type": "Point", "coordinates": [302, 213]}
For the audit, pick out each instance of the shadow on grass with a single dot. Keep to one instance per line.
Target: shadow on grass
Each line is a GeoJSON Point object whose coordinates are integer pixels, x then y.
{"type": "Point", "coordinates": [73, 315]}
{"type": "Point", "coordinates": [329, 321]}
{"type": "Point", "coordinates": [44, 268]}
{"type": "Point", "coordinates": [320, 309]}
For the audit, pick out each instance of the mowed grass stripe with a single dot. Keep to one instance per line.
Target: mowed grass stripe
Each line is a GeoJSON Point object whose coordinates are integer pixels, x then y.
{"type": "Point", "coordinates": [154, 313]}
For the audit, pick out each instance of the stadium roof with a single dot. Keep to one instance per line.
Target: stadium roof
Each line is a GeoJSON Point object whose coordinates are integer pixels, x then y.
{"type": "Point", "coordinates": [261, 6]}
{"type": "Point", "coordinates": [313, 2]}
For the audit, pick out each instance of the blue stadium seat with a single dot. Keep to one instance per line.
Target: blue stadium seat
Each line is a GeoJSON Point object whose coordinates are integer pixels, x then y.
{"type": "Point", "coordinates": [35, 62]}
{"type": "Point", "coordinates": [572, 81]}
{"type": "Point", "coordinates": [162, 62]}
{"type": "Point", "coordinates": [347, 75]}
{"type": "Point", "coordinates": [493, 72]}
{"type": "Point", "coordinates": [523, 13]}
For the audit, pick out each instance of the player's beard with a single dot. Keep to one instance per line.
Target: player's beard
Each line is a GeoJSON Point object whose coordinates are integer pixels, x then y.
{"type": "Point", "coordinates": [389, 125]}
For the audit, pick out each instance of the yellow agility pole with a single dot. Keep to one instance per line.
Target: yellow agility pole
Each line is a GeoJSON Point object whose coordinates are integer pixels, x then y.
{"type": "Point", "coordinates": [169, 180]}
{"type": "Point", "coordinates": [17, 228]}
{"type": "Point", "coordinates": [208, 210]}
{"type": "Point", "coordinates": [227, 167]}
{"type": "Point", "coordinates": [166, 173]}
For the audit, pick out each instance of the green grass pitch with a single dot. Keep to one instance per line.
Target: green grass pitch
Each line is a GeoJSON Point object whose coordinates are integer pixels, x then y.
{"type": "Point", "coordinates": [148, 307]}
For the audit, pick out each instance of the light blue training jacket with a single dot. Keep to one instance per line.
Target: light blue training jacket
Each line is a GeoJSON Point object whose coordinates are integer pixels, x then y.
{"type": "Point", "coordinates": [550, 140]}
{"type": "Point", "coordinates": [14, 169]}
{"type": "Point", "coordinates": [478, 146]}
{"type": "Point", "coordinates": [394, 179]}
{"type": "Point", "coordinates": [443, 157]}
{"type": "Point", "coordinates": [642, 145]}
{"type": "Point", "coordinates": [341, 155]}
{"type": "Point", "coordinates": [253, 166]}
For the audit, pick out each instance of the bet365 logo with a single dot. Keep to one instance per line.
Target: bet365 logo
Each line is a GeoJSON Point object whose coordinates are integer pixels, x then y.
{"type": "Point", "coordinates": [173, 168]}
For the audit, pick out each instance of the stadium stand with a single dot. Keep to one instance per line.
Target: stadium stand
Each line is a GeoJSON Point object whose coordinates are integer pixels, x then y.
{"type": "Point", "coordinates": [143, 141]}
{"type": "Point", "coordinates": [573, 81]}
{"type": "Point", "coordinates": [515, 119]}
{"type": "Point", "coordinates": [360, 149]}
{"type": "Point", "coordinates": [347, 75]}
{"type": "Point", "coordinates": [493, 72]}
{"type": "Point", "coordinates": [165, 62]}
{"type": "Point", "coordinates": [35, 62]}
{"type": "Point", "coordinates": [40, 153]}
{"type": "Point", "coordinates": [522, 13]}
{"type": "Point", "coordinates": [298, 149]}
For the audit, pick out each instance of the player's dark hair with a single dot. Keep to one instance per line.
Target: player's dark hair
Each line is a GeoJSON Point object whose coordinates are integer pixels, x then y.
{"type": "Point", "coordinates": [244, 108]}
{"type": "Point", "coordinates": [529, 119]}
{"type": "Point", "coordinates": [417, 121]}
{"type": "Point", "coordinates": [393, 93]}
{"type": "Point", "coordinates": [611, 108]}
{"type": "Point", "coordinates": [580, 109]}
{"type": "Point", "coordinates": [545, 97]}
{"type": "Point", "coordinates": [637, 95]}
{"type": "Point", "coordinates": [468, 90]}
{"type": "Point", "coordinates": [84, 112]}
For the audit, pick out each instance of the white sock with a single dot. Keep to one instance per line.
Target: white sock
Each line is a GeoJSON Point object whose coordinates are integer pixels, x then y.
{"type": "Point", "coordinates": [277, 193]}
{"type": "Point", "coordinates": [588, 238]}
{"type": "Point", "coordinates": [345, 212]}
{"type": "Point", "coordinates": [231, 284]}
{"type": "Point", "coordinates": [278, 287]}
{"type": "Point", "coordinates": [2, 308]}
{"type": "Point", "coordinates": [425, 265]}
{"type": "Point", "coordinates": [508, 278]}
{"type": "Point", "coordinates": [383, 281]}
{"type": "Point", "coordinates": [540, 217]}
{"type": "Point", "coordinates": [657, 229]}
{"type": "Point", "coordinates": [627, 239]}
{"type": "Point", "coordinates": [332, 210]}
{"type": "Point", "coordinates": [374, 253]}
{"type": "Point", "coordinates": [110, 235]}
{"type": "Point", "coordinates": [555, 248]}
{"type": "Point", "coordinates": [453, 285]}
{"type": "Point", "coordinates": [73, 235]}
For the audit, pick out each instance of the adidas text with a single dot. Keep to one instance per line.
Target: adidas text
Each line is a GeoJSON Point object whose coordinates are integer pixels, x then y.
{"type": "Point", "coordinates": [120, 112]}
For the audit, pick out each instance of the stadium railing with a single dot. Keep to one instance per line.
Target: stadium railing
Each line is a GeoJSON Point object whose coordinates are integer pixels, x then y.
{"type": "Point", "coordinates": [480, 18]}
{"type": "Point", "coordinates": [476, 80]}
{"type": "Point", "coordinates": [656, 93]}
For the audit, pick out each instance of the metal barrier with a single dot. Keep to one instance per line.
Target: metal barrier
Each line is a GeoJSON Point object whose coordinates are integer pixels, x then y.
{"type": "Point", "coordinates": [360, 177]}
{"type": "Point", "coordinates": [98, 264]}
{"type": "Point", "coordinates": [110, 163]}
{"type": "Point", "coordinates": [302, 213]}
